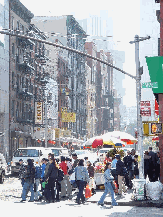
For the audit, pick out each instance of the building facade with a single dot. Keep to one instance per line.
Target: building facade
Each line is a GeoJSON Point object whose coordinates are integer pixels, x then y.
{"type": "Point", "coordinates": [68, 32]}
{"type": "Point", "coordinates": [4, 80]}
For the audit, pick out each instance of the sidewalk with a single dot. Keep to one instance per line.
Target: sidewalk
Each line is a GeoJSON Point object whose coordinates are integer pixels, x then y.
{"type": "Point", "coordinates": [126, 200]}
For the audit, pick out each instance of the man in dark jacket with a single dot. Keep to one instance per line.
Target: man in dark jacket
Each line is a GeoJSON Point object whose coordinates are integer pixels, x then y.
{"type": "Point", "coordinates": [29, 181]}
{"type": "Point", "coordinates": [128, 164]}
{"type": "Point", "coordinates": [119, 171]}
{"type": "Point", "coordinates": [152, 174]}
{"type": "Point", "coordinates": [21, 171]}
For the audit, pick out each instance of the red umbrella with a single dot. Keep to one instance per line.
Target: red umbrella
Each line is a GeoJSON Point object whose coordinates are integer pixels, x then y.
{"type": "Point", "coordinates": [97, 142]}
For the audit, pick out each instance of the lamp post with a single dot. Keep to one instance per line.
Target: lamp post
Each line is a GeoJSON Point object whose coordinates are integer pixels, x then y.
{"type": "Point", "coordinates": [138, 96]}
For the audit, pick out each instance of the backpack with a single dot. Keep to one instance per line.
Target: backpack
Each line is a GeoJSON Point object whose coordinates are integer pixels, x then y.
{"type": "Point", "coordinates": [60, 175]}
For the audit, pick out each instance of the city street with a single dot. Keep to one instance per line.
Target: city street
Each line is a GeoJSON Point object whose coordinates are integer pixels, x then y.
{"type": "Point", "coordinates": [10, 195]}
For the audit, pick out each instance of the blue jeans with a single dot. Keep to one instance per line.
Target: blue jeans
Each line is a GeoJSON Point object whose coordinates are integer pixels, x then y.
{"type": "Point", "coordinates": [28, 186]}
{"type": "Point", "coordinates": [22, 181]}
{"type": "Point", "coordinates": [81, 185]}
{"type": "Point", "coordinates": [108, 188]}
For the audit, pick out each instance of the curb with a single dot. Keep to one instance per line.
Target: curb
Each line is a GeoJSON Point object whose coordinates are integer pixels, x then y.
{"type": "Point", "coordinates": [143, 203]}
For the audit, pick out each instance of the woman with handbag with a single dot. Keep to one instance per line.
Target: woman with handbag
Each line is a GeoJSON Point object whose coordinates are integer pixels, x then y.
{"type": "Point", "coordinates": [108, 186]}
{"type": "Point", "coordinates": [82, 178]}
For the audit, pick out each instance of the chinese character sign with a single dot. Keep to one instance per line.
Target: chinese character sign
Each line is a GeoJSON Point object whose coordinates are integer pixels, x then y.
{"type": "Point", "coordinates": [38, 112]}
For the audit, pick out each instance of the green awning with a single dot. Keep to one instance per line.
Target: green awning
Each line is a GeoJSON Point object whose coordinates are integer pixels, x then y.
{"type": "Point", "coordinates": [155, 67]}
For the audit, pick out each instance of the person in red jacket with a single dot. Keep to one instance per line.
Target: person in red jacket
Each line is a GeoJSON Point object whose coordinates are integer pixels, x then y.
{"type": "Point", "coordinates": [65, 183]}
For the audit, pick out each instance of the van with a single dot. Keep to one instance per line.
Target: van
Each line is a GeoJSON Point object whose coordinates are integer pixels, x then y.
{"type": "Point", "coordinates": [58, 152]}
{"type": "Point", "coordinates": [35, 153]}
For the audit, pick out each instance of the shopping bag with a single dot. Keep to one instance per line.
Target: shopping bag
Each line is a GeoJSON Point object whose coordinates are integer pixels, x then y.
{"type": "Point", "coordinates": [116, 187]}
{"type": "Point", "coordinates": [44, 183]}
{"type": "Point", "coordinates": [88, 192]}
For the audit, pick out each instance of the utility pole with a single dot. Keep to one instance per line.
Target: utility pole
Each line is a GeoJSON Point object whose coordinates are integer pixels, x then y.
{"type": "Point", "coordinates": [46, 127]}
{"type": "Point", "coordinates": [138, 97]}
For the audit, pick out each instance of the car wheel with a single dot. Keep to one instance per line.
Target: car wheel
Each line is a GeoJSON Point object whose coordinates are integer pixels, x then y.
{"type": "Point", "coordinates": [2, 178]}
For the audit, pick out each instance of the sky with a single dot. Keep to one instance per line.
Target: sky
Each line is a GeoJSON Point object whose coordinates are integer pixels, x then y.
{"type": "Point", "coordinates": [126, 19]}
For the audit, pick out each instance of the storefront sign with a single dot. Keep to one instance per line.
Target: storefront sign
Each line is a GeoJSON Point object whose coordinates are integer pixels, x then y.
{"type": "Point", "coordinates": [38, 113]}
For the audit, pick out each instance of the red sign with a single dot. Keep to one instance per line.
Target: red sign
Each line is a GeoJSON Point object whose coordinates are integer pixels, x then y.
{"type": "Point", "coordinates": [145, 109]}
{"type": "Point", "coordinates": [145, 103]}
{"type": "Point", "coordinates": [156, 108]}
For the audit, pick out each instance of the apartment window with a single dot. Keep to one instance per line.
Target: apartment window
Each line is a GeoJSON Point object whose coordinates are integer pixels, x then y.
{"type": "Point", "coordinates": [13, 79]}
{"type": "Point", "coordinates": [13, 49]}
{"type": "Point", "coordinates": [18, 25]}
{"type": "Point", "coordinates": [13, 108]}
{"type": "Point", "coordinates": [22, 29]}
{"type": "Point", "coordinates": [17, 112]}
{"type": "Point", "coordinates": [12, 23]}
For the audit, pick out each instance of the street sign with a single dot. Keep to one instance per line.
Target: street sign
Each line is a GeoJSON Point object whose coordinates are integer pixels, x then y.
{"type": "Point", "coordinates": [150, 85]}
{"type": "Point", "coordinates": [145, 108]}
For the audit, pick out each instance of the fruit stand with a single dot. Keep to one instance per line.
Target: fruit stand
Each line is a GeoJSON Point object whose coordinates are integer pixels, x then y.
{"type": "Point", "coordinates": [99, 174]}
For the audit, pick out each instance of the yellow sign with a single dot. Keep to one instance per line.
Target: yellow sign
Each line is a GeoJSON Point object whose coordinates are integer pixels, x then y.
{"type": "Point", "coordinates": [57, 133]}
{"type": "Point", "coordinates": [68, 117]}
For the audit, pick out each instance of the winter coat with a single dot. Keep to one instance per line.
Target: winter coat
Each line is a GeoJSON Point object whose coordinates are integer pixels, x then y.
{"type": "Point", "coordinates": [46, 169]}
{"type": "Point", "coordinates": [153, 159]}
{"type": "Point", "coordinates": [81, 173]}
{"type": "Point", "coordinates": [63, 167]}
{"type": "Point", "coordinates": [29, 174]}
{"type": "Point", "coordinates": [52, 172]}
{"type": "Point", "coordinates": [107, 175]}
{"type": "Point", "coordinates": [136, 170]}
{"type": "Point", "coordinates": [21, 171]}
{"type": "Point", "coordinates": [43, 170]}
{"type": "Point", "coordinates": [128, 162]}
{"type": "Point", "coordinates": [119, 168]}
{"type": "Point", "coordinates": [90, 171]}
{"type": "Point", "coordinates": [38, 172]}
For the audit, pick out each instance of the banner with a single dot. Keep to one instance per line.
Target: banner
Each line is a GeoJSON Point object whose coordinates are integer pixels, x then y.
{"type": "Point", "coordinates": [38, 113]}
{"type": "Point", "coordinates": [68, 117]}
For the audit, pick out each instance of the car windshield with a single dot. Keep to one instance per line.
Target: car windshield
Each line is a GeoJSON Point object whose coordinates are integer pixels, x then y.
{"type": "Point", "coordinates": [78, 152]}
{"type": "Point", "coordinates": [103, 151]}
{"type": "Point", "coordinates": [26, 153]}
{"type": "Point", "coordinates": [55, 152]}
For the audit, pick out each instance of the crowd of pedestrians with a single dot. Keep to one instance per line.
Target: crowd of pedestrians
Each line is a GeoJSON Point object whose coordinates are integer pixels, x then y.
{"type": "Point", "coordinates": [54, 176]}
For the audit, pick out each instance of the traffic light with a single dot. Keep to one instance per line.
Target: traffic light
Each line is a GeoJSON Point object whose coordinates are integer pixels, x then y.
{"type": "Point", "coordinates": [145, 129]}
{"type": "Point", "coordinates": [156, 128]}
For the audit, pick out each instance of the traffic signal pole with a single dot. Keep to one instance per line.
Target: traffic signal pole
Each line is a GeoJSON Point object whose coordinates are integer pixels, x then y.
{"type": "Point", "coordinates": [138, 97]}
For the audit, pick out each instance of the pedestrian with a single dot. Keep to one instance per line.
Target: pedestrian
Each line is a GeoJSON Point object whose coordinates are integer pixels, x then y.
{"type": "Point", "coordinates": [43, 166]}
{"type": "Point", "coordinates": [85, 161]}
{"type": "Point", "coordinates": [51, 178]}
{"type": "Point", "coordinates": [38, 172]}
{"type": "Point", "coordinates": [147, 162]}
{"type": "Point", "coordinates": [82, 178]}
{"type": "Point", "coordinates": [114, 162]}
{"type": "Point", "coordinates": [152, 174]}
{"type": "Point", "coordinates": [128, 164]}
{"type": "Point", "coordinates": [76, 160]}
{"type": "Point", "coordinates": [29, 176]}
{"type": "Point", "coordinates": [65, 183]}
{"type": "Point", "coordinates": [21, 171]}
{"type": "Point", "coordinates": [90, 169]}
{"type": "Point", "coordinates": [107, 158]}
{"type": "Point", "coordinates": [69, 164]}
{"type": "Point", "coordinates": [108, 186]}
{"type": "Point", "coordinates": [136, 169]}
{"type": "Point", "coordinates": [120, 172]}
{"type": "Point", "coordinates": [158, 166]}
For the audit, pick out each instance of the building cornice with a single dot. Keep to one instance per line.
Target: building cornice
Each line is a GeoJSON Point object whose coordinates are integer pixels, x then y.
{"type": "Point", "coordinates": [17, 7]}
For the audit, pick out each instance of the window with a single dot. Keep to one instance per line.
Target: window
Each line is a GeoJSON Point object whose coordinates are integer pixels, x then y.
{"type": "Point", "coordinates": [17, 25]}
{"type": "Point", "coordinates": [13, 49]}
{"type": "Point", "coordinates": [12, 23]}
{"type": "Point", "coordinates": [26, 153]}
{"type": "Point", "coordinates": [13, 79]}
{"type": "Point", "coordinates": [22, 29]}
{"type": "Point", "coordinates": [13, 108]}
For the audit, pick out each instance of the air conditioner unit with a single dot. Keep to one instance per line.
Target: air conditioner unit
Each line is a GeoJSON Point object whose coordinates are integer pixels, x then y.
{"type": "Point", "coordinates": [15, 86]}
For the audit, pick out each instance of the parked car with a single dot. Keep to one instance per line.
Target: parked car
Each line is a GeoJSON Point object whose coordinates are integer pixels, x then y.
{"type": "Point", "coordinates": [3, 168]}
{"type": "Point", "coordinates": [58, 152]}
